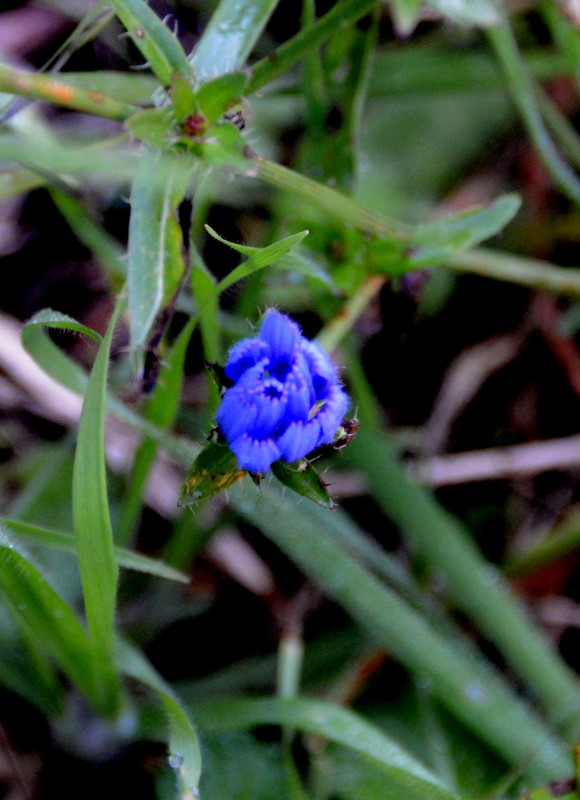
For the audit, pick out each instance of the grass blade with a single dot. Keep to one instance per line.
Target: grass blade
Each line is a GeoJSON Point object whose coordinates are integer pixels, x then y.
{"type": "Point", "coordinates": [473, 583]}
{"type": "Point", "coordinates": [66, 542]}
{"type": "Point", "coordinates": [97, 563]}
{"type": "Point", "coordinates": [50, 621]}
{"type": "Point", "coordinates": [334, 723]}
{"type": "Point", "coordinates": [464, 684]}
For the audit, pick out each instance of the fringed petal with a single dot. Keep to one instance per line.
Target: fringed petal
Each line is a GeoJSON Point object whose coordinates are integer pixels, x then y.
{"type": "Point", "coordinates": [236, 414]}
{"type": "Point", "coordinates": [245, 355]}
{"type": "Point", "coordinates": [283, 337]}
{"type": "Point", "coordinates": [298, 440]}
{"type": "Point", "coordinates": [255, 455]}
{"type": "Point", "coordinates": [331, 415]}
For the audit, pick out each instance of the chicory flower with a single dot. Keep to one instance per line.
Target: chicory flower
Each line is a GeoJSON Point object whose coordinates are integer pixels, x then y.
{"type": "Point", "coordinates": [286, 399]}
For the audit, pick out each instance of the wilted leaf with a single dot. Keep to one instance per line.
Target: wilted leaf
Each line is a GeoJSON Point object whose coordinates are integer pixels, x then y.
{"type": "Point", "coordinates": [215, 469]}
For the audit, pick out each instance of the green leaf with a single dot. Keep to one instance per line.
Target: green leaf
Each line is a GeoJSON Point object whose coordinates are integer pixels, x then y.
{"type": "Point", "coordinates": [183, 743]}
{"type": "Point", "coordinates": [229, 37]}
{"type": "Point", "coordinates": [49, 619]}
{"type": "Point", "coordinates": [92, 523]}
{"type": "Point", "coordinates": [332, 722]}
{"type": "Point", "coordinates": [203, 285]}
{"type": "Point", "coordinates": [161, 409]}
{"type": "Point", "coordinates": [259, 257]}
{"type": "Point", "coordinates": [152, 126]}
{"type": "Point", "coordinates": [460, 677]}
{"type": "Point", "coordinates": [473, 584]}
{"type": "Point", "coordinates": [303, 479]}
{"type": "Point", "coordinates": [153, 38]}
{"type": "Point", "coordinates": [155, 239]}
{"type": "Point", "coordinates": [48, 318]}
{"type": "Point", "coordinates": [224, 146]}
{"type": "Point", "coordinates": [60, 540]}
{"type": "Point", "coordinates": [183, 98]}
{"type": "Point", "coordinates": [219, 94]}
{"type": "Point", "coordinates": [435, 242]}
{"type": "Point", "coordinates": [214, 469]}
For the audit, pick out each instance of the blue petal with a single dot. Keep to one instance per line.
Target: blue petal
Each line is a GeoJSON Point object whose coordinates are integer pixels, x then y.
{"type": "Point", "coordinates": [331, 415]}
{"type": "Point", "coordinates": [255, 455]}
{"type": "Point", "coordinates": [298, 440]}
{"type": "Point", "coordinates": [321, 368]}
{"type": "Point", "coordinates": [243, 356]}
{"type": "Point", "coordinates": [298, 389]}
{"type": "Point", "coordinates": [236, 414]}
{"type": "Point", "coordinates": [270, 401]}
{"type": "Point", "coordinates": [283, 336]}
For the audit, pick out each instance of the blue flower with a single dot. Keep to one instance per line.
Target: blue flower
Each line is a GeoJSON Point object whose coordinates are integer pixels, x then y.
{"type": "Point", "coordinates": [286, 398]}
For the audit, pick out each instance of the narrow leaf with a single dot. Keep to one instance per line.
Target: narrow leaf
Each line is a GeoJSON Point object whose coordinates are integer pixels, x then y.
{"type": "Point", "coordinates": [463, 681]}
{"type": "Point", "coordinates": [259, 257]}
{"type": "Point", "coordinates": [153, 38]}
{"type": "Point", "coordinates": [155, 239]}
{"type": "Point", "coordinates": [97, 563]}
{"type": "Point", "coordinates": [60, 540]}
{"type": "Point", "coordinates": [161, 410]}
{"type": "Point", "coordinates": [48, 318]}
{"type": "Point", "coordinates": [334, 723]}
{"type": "Point", "coordinates": [48, 618]}
{"type": "Point", "coordinates": [437, 241]}
{"type": "Point", "coordinates": [229, 37]}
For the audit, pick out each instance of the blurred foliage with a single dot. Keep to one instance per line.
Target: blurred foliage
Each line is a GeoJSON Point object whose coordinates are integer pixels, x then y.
{"type": "Point", "coordinates": [402, 179]}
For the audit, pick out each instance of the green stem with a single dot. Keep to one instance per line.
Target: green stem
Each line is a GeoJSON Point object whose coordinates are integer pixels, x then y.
{"type": "Point", "coordinates": [335, 331]}
{"type": "Point", "coordinates": [533, 273]}
{"type": "Point", "coordinates": [45, 87]}
{"type": "Point", "coordinates": [561, 128]}
{"type": "Point", "coordinates": [297, 48]}
{"type": "Point", "coordinates": [525, 98]}
{"type": "Point", "coordinates": [338, 205]}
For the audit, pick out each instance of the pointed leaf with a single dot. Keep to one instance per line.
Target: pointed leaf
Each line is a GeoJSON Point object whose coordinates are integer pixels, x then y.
{"type": "Point", "coordinates": [303, 479]}
{"type": "Point", "coordinates": [259, 257]}
{"type": "Point", "coordinates": [437, 241]}
{"type": "Point", "coordinates": [219, 94]}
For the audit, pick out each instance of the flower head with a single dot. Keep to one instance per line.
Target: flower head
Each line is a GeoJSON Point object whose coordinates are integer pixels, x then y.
{"type": "Point", "coordinates": [286, 398]}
